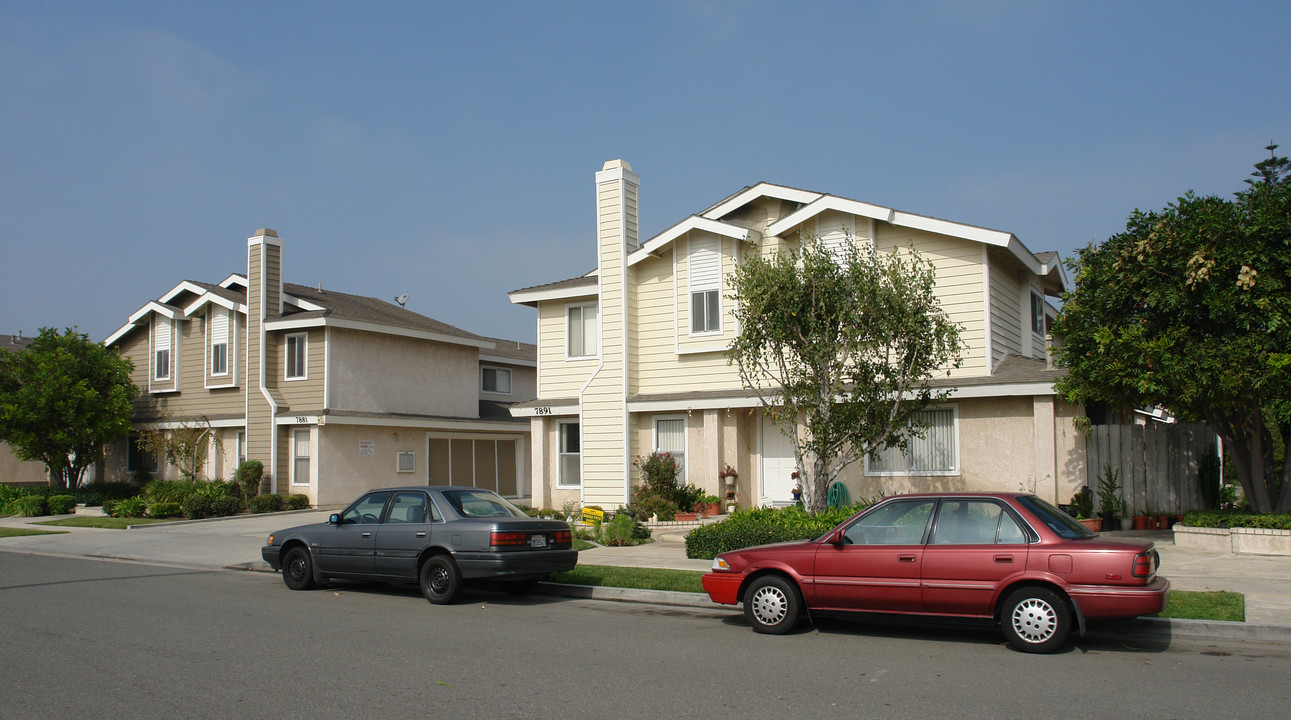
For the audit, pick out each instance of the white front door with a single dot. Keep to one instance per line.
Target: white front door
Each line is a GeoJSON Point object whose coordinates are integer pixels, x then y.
{"type": "Point", "coordinates": [777, 466]}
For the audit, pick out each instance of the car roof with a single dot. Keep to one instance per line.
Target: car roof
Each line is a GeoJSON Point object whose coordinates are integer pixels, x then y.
{"type": "Point", "coordinates": [978, 494]}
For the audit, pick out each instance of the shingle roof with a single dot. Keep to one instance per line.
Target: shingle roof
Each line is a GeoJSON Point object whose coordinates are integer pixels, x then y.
{"type": "Point", "coordinates": [367, 309]}
{"type": "Point", "coordinates": [14, 342]}
{"type": "Point", "coordinates": [513, 349]}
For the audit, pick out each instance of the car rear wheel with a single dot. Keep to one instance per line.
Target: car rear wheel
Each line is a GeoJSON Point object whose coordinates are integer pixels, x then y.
{"type": "Point", "coordinates": [1036, 620]}
{"type": "Point", "coordinates": [441, 582]}
{"type": "Point", "coordinates": [772, 605]}
{"type": "Point", "coordinates": [298, 569]}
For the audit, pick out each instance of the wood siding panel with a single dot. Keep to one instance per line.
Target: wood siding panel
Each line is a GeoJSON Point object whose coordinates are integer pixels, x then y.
{"type": "Point", "coordinates": [559, 377]}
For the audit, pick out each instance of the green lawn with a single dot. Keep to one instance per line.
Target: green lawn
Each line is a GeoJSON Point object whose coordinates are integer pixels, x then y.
{"type": "Point", "coordinates": [1218, 605]}
{"type": "Point", "coordinates": [111, 523]}
{"type": "Point", "coordinates": [1182, 604]}
{"type": "Point", "coordinates": [17, 532]}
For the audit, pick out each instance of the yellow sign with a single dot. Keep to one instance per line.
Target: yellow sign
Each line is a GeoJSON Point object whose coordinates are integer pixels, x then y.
{"type": "Point", "coordinates": [593, 515]}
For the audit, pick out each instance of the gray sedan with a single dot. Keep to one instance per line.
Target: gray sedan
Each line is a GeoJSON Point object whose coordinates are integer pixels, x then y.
{"type": "Point", "coordinates": [439, 537]}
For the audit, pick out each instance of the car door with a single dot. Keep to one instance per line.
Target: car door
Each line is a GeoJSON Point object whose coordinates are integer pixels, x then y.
{"type": "Point", "coordinates": [348, 547]}
{"type": "Point", "coordinates": [404, 533]}
{"type": "Point", "coordinates": [975, 547]}
{"type": "Point", "coordinates": [877, 564]}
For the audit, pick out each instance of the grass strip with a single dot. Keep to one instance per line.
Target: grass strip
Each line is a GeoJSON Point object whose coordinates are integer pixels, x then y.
{"type": "Point", "coordinates": [18, 532]}
{"type": "Point", "coordinates": [635, 578]}
{"type": "Point", "coordinates": [110, 523]}
{"type": "Point", "coordinates": [1216, 605]}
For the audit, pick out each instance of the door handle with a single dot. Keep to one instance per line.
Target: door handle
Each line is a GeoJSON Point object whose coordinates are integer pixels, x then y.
{"type": "Point", "coordinates": [367, 534]}
{"type": "Point", "coordinates": [421, 534]}
{"type": "Point", "coordinates": [906, 558]}
{"type": "Point", "coordinates": [1003, 558]}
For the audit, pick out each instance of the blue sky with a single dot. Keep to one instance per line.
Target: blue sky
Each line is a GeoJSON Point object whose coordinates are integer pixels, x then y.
{"type": "Point", "coordinates": [447, 150]}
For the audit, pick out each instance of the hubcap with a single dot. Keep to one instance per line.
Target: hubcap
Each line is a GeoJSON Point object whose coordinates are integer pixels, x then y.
{"type": "Point", "coordinates": [770, 606]}
{"type": "Point", "coordinates": [297, 569]}
{"type": "Point", "coordinates": [439, 580]}
{"type": "Point", "coordinates": [1034, 620]}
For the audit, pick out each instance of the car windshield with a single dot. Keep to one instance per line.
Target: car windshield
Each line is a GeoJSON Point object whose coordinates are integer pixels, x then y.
{"type": "Point", "coordinates": [481, 503]}
{"type": "Point", "coordinates": [1064, 525]}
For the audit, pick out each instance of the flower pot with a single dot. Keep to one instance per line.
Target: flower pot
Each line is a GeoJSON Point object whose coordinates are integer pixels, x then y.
{"type": "Point", "coordinates": [687, 517]}
{"type": "Point", "coordinates": [1163, 522]}
{"type": "Point", "coordinates": [714, 509]}
{"type": "Point", "coordinates": [729, 480]}
{"type": "Point", "coordinates": [1095, 524]}
{"type": "Point", "coordinates": [1140, 522]}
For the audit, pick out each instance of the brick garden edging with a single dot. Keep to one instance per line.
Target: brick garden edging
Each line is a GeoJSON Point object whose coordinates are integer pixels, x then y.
{"type": "Point", "coordinates": [1237, 541]}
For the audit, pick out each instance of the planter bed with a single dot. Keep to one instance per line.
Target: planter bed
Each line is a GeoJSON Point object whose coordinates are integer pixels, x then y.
{"type": "Point", "coordinates": [1237, 541]}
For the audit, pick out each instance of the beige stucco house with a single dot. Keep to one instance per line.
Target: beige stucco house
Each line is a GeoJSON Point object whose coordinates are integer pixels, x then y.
{"type": "Point", "coordinates": [12, 470]}
{"type": "Point", "coordinates": [631, 356]}
{"type": "Point", "coordinates": [334, 393]}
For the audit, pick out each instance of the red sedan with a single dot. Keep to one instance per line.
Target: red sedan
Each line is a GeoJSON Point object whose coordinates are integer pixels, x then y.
{"type": "Point", "coordinates": [1010, 558]}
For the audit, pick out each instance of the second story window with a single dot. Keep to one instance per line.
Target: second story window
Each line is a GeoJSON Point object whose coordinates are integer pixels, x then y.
{"type": "Point", "coordinates": [161, 349]}
{"type": "Point", "coordinates": [219, 341]}
{"type": "Point", "coordinates": [1037, 314]}
{"type": "Point", "coordinates": [296, 357]}
{"type": "Point", "coordinates": [580, 331]}
{"type": "Point", "coordinates": [705, 284]}
{"type": "Point", "coordinates": [496, 380]}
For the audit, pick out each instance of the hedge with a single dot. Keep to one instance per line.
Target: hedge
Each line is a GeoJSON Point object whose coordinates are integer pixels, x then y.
{"type": "Point", "coordinates": [761, 526]}
{"type": "Point", "coordinates": [1237, 518]}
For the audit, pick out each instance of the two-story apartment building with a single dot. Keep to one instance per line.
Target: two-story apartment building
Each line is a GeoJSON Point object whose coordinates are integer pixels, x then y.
{"type": "Point", "coordinates": [631, 356]}
{"type": "Point", "coordinates": [334, 393]}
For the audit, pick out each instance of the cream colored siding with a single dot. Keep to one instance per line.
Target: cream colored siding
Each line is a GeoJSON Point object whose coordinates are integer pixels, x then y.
{"type": "Point", "coordinates": [958, 267]}
{"type": "Point", "coordinates": [560, 377]}
{"type": "Point", "coordinates": [1006, 308]}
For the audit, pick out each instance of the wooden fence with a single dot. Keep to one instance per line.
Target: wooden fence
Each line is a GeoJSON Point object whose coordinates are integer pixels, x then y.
{"type": "Point", "coordinates": [1156, 464]}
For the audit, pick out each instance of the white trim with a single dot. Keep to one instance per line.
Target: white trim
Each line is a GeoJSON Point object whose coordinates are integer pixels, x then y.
{"type": "Point", "coordinates": [212, 298]}
{"type": "Point", "coordinates": [281, 324]}
{"type": "Point", "coordinates": [989, 318]}
{"type": "Point", "coordinates": [830, 202]}
{"type": "Point", "coordinates": [694, 222]}
{"type": "Point", "coordinates": [703, 350]}
{"type": "Point", "coordinates": [424, 424]}
{"type": "Point", "coordinates": [958, 469]}
{"type": "Point", "coordinates": [560, 481]}
{"type": "Point", "coordinates": [525, 297]}
{"type": "Point", "coordinates": [500, 360]}
{"type": "Point", "coordinates": [183, 286]}
{"type": "Point", "coordinates": [549, 411]}
{"type": "Point", "coordinates": [1009, 390]}
{"type": "Point", "coordinates": [177, 424]}
{"type": "Point", "coordinates": [398, 461]}
{"type": "Point", "coordinates": [683, 478]}
{"type": "Point", "coordinates": [597, 331]}
{"type": "Point", "coordinates": [657, 406]}
{"type": "Point", "coordinates": [327, 368]}
{"type": "Point", "coordinates": [235, 279]}
{"type": "Point", "coordinates": [286, 357]}
{"type": "Point", "coordinates": [760, 190]}
{"type": "Point", "coordinates": [300, 303]}
{"type": "Point", "coordinates": [295, 455]}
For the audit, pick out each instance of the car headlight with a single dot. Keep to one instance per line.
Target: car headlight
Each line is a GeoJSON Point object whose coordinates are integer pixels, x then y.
{"type": "Point", "coordinates": [720, 564]}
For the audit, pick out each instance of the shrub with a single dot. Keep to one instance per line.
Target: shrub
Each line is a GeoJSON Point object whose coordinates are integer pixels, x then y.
{"type": "Point", "coordinates": [9, 498]}
{"type": "Point", "coordinates": [100, 493]}
{"type": "Point", "coordinates": [646, 503]}
{"type": "Point", "coordinates": [61, 504]}
{"type": "Point", "coordinates": [165, 509]}
{"type": "Point", "coordinates": [196, 506]}
{"type": "Point", "coordinates": [620, 531]}
{"type": "Point", "coordinates": [265, 503]}
{"type": "Point", "coordinates": [248, 477]}
{"type": "Point", "coordinates": [215, 489]}
{"type": "Point", "coordinates": [296, 502]}
{"type": "Point", "coordinates": [760, 526]}
{"type": "Point", "coordinates": [109, 506]}
{"type": "Point", "coordinates": [31, 506]}
{"type": "Point", "coordinates": [130, 507]}
{"type": "Point", "coordinates": [225, 506]}
{"type": "Point", "coordinates": [1234, 518]}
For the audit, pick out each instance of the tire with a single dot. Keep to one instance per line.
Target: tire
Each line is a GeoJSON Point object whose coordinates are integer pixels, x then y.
{"type": "Point", "coordinates": [298, 569]}
{"type": "Point", "coordinates": [1036, 620]}
{"type": "Point", "coordinates": [772, 605]}
{"type": "Point", "coordinates": [441, 582]}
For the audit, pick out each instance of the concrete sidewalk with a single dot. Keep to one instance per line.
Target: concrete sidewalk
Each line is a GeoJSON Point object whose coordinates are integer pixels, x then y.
{"type": "Point", "coordinates": [234, 543]}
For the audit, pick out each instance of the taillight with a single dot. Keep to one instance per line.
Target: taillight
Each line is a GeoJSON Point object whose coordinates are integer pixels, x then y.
{"type": "Point", "coordinates": [1145, 564]}
{"type": "Point", "coordinates": [564, 536]}
{"type": "Point", "coordinates": [507, 538]}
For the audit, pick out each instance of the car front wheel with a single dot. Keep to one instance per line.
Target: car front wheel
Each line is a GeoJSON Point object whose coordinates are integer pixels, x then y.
{"type": "Point", "coordinates": [772, 605]}
{"type": "Point", "coordinates": [441, 583]}
{"type": "Point", "coordinates": [1036, 620]}
{"type": "Point", "coordinates": [298, 569]}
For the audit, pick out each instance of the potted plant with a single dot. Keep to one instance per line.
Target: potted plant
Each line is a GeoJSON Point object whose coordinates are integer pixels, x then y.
{"type": "Point", "coordinates": [1139, 521]}
{"type": "Point", "coordinates": [729, 476]}
{"type": "Point", "coordinates": [712, 505]}
{"type": "Point", "coordinates": [1109, 498]}
{"type": "Point", "coordinates": [1083, 503]}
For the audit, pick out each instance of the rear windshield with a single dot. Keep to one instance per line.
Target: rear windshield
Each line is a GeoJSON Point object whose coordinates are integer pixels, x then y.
{"type": "Point", "coordinates": [481, 503]}
{"type": "Point", "coordinates": [1062, 524]}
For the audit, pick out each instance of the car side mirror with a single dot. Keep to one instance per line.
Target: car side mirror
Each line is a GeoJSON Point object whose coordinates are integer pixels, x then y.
{"type": "Point", "coordinates": [334, 519]}
{"type": "Point", "coordinates": [837, 538]}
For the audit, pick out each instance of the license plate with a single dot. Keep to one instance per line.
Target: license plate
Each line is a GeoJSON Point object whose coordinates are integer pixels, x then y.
{"type": "Point", "coordinates": [538, 541]}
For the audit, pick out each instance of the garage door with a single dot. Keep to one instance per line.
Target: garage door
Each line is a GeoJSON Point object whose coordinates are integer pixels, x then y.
{"type": "Point", "coordinates": [474, 462]}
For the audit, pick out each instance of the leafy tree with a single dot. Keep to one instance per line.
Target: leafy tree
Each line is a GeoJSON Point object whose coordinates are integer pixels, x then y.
{"type": "Point", "coordinates": [185, 444]}
{"type": "Point", "coordinates": [61, 400]}
{"type": "Point", "coordinates": [840, 345]}
{"type": "Point", "coordinates": [1189, 309]}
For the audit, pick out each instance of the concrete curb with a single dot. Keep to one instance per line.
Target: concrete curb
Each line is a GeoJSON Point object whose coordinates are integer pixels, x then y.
{"type": "Point", "coordinates": [239, 516]}
{"type": "Point", "coordinates": [651, 597]}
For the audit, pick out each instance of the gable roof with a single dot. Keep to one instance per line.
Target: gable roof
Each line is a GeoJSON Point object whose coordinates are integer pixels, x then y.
{"type": "Point", "coordinates": [14, 342]}
{"type": "Point", "coordinates": [1046, 264]}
